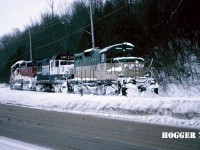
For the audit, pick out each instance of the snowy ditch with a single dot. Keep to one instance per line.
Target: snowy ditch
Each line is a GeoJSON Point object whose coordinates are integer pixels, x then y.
{"type": "Point", "coordinates": [145, 107]}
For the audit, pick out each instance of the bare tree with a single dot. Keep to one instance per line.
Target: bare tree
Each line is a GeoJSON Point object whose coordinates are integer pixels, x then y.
{"type": "Point", "coordinates": [51, 4]}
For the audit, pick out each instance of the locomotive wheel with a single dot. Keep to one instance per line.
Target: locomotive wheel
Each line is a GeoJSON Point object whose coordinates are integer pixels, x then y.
{"type": "Point", "coordinates": [12, 87]}
{"type": "Point", "coordinates": [124, 91]}
{"type": "Point", "coordinates": [70, 88]}
{"type": "Point", "coordinates": [56, 88]}
{"type": "Point", "coordinates": [101, 90]}
{"type": "Point", "coordinates": [25, 87]}
{"type": "Point", "coordinates": [156, 90]}
{"type": "Point", "coordinates": [63, 89]}
{"type": "Point", "coordinates": [40, 88]}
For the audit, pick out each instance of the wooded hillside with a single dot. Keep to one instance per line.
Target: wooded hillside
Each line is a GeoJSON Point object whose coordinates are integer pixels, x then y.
{"type": "Point", "coordinates": [167, 31]}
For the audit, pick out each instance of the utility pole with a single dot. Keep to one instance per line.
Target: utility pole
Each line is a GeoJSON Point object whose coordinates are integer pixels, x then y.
{"type": "Point", "coordinates": [31, 57]}
{"type": "Point", "coordinates": [92, 28]}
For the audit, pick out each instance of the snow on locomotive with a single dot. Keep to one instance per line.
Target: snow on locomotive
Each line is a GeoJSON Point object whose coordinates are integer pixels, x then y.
{"type": "Point", "coordinates": [23, 75]}
{"type": "Point", "coordinates": [43, 75]}
{"type": "Point", "coordinates": [52, 75]}
{"type": "Point", "coordinates": [111, 70]}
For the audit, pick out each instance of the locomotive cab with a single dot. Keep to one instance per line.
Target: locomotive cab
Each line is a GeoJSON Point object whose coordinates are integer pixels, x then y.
{"type": "Point", "coordinates": [117, 59]}
{"type": "Point", "coordinates": [62, 66]}
{"type": "Point", "coordinates": [131, 67]}
{"type": "Point", "coordinates": [118, 63]}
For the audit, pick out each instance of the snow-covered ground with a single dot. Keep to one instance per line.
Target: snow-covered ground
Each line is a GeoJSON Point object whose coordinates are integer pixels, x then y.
{"type": "Point", "coordinates": [177, 107]}
{"type": "Point", "coordinates": [11, 144]}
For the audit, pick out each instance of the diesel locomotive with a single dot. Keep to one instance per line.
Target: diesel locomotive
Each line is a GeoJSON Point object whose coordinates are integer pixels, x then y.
{"type": "Point", "coordinates": [43, 75]}
{"type": "Point", "coordinates": [112, 70]}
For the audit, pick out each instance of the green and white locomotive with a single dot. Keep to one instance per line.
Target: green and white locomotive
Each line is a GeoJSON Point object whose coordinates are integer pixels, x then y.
{"type": "Point", "coordinates": [111, 70]}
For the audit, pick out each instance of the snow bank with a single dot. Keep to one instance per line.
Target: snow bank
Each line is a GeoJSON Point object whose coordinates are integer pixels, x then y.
{"type": "Point", "coordinates": [3, 85]}
{"type": "Point", "coordinates": [174, 90]}
{"type": "Point", "coordinates": [178, 111]}
{"type": "Point", "coordinates": [11, 144]}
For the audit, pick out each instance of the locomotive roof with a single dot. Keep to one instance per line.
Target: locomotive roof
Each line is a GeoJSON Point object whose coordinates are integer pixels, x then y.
{"type": "Point", "coordinates": [129, 58]}
{"type": "Point", "coordinates": [43, 60]}
{"type": "Point", "coordinates": [61, 56]}
{"type": "Point", "coordinates": [78, 54]}
{"type": "Point", "coordinates": [18, 62]}
{"type": "Point", "coordinates": [21, 62]}
{"type": "Point", "coordinates": [113, 47]}
{"type": "Point", "coordinates": [88, 50]}
{"type": "Point", "coordinates": [91, 49]}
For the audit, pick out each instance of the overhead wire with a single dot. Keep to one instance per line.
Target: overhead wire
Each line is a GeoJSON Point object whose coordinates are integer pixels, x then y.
{"type": "Point", "coordinates": [81, 28]}
{"type": "Point", "coordinates": [75, 32]}
{"type": "Point", "coordinates": [25, 34]}
{"type": "Point", "coordinates": [46, 25]}
{"type": "Point", "coordinates": [21, 37]}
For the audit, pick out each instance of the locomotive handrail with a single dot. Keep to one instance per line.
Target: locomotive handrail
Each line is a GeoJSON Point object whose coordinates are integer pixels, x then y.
{"type": "Point", "coordinates": [150, 63]}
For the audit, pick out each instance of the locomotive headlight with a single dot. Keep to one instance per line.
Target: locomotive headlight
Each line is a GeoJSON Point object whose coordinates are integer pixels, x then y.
{"type": "Point", "coordinates": [136, 65]}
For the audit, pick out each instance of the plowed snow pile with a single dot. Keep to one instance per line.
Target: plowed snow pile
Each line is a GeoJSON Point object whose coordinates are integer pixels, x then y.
{"type": "Point", "coordinates": [145, 107]}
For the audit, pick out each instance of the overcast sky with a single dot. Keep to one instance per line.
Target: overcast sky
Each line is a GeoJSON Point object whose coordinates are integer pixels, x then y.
{"type": "Point", "coordinates": [19, 13]}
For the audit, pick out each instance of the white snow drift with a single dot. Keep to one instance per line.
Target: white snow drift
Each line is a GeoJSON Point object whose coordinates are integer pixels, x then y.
{"type": "Point", "coordinates": [145, 107]}
{"type": "Point", "coordinates": [11, 144]}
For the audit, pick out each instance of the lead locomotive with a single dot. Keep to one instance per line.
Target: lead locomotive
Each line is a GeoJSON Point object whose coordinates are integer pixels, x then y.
{"type": "Point", "coordinates": [111, 70]}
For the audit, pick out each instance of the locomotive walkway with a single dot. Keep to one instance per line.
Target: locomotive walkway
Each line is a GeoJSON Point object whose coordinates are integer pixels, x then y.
{"type": "Point", "coordinates": [56, 130]}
